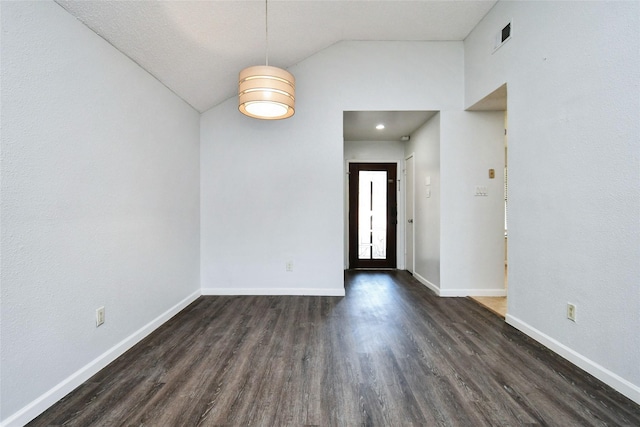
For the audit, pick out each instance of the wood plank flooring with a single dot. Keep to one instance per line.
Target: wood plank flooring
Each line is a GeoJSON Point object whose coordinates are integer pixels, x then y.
{"type": "Point", "coordinates": [498, 305]}
{"type": "Point", "coordinates": [390, 353]}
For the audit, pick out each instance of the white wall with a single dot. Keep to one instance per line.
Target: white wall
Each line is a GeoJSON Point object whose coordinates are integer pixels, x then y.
{"type": "Point", "coordinates": [99, 205]}
{"type": "Point", "coordinates": [425, 147]}
{"type": "Point", "coordinates": [472, 233]}
{"type": "Point", "coordinates": [459, 237]}
{"type": "Point", "coordinates": [377, 151]}
{"type": "Point", "coordinates": [381, 152]}
{"type": "Point", "coordinates": [573, 72]}
{"type": "Point", "coordinates": [273, 191]}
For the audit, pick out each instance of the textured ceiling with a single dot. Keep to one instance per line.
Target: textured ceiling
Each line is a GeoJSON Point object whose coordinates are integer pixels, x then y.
{"type": "Point", "coordinates": [197, 48]}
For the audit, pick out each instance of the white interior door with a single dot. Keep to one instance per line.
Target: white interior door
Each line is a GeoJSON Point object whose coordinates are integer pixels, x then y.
{"type": "Point", "coordinates": [409, 211]}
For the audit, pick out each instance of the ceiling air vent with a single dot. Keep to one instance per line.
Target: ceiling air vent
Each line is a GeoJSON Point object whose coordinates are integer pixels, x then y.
{"type": "Point", "coordinates": [503, 36]}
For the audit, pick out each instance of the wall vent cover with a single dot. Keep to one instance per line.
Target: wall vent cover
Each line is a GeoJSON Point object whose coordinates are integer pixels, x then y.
{"type": "Point", "coordinates": [506, 33]}
{"type": "Point", "coordinates": [503, 36]}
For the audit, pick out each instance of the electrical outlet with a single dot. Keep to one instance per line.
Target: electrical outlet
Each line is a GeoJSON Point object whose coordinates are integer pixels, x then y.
{"type": "Point", "coordinates": [289, 266]}
{"type": "Point", "coordinates": [99, 316]}
{"type": "Point", "coordinates": [571, 311]}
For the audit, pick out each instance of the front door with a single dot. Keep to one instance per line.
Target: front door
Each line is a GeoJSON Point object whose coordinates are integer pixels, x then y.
{"type": "Point", "coordinates": [372, 215]}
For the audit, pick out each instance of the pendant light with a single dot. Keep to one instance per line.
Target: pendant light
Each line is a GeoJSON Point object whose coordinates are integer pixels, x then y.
{"type": "Point", "coordinates": [266, 92]}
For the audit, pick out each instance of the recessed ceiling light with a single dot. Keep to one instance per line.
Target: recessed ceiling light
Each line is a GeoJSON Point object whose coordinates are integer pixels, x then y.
{"type": "Point", "coordinates": [380, 126]}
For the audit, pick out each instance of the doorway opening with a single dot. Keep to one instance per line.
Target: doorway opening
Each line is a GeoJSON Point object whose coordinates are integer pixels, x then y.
{"type": "Point", "coordinates": [497, 101]}
{"type": "Point", "coordinates": [372, 215]}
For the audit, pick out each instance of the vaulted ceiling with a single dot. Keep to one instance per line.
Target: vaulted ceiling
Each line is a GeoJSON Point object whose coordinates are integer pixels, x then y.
{"type": "Point", "coordinates": [197, 48]}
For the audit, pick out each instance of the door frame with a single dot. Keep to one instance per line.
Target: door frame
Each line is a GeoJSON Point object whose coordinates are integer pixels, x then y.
{"type": "Point", "coordinates": [392, 215]}
{"type": "Point", "coordinates": [410, 215]}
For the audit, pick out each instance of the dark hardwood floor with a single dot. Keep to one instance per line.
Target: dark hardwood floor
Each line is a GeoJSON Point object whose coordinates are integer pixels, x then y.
{"type": "Point", "coordinates": [390, 353]}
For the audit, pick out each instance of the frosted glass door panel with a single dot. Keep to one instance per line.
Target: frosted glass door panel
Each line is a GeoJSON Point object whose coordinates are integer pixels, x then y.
{"type": "Point", "coordinates": [372, 211]}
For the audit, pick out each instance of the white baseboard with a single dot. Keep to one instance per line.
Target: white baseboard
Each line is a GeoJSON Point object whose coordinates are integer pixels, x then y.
{"type": "Point", "coordinates": [320, 292]}
{"type": "Point", "coordinates": [460, 292]}
{"type": "Point", "coordinates": [630, 390]}
{"type": "Point", "coordinates": [42, 403]}
{"type": "Point", "coordinates": [473, 293]}
{"type": "Point", "coordinates": [427, 283]}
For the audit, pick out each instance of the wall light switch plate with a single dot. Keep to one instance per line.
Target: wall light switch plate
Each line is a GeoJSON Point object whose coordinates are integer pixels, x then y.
{"type": "Point", "coordinates": [571, 311]}
{"type": "Point", "coordinates": [481, 190]}
{"type": "Point", "coordinates": [99, 316]}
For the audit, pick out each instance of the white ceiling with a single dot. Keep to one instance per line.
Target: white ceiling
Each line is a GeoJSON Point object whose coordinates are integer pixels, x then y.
{"type": "Point", "coordinates": [361, 125]}
{"type": "Point", "coordinates": [197, 48]}
{"type": "Point", "coordinates": [495, 101]}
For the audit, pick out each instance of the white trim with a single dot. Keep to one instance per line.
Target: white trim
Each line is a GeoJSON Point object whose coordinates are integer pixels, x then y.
{"type": "Point", "coordinates": [348, 161]}
{"type": "Point", "coordinates": [625, 387]}
{"type": "Point", "coordinates": [460, 292]}
{"type": "Point", "coordinates": [45, 401]}
{"type": "Point", "coordinates": [473, 292]}
{"type": "Point", "coordinates": [427, 283]}
{"type": "Point", "coordinates": [320, 292]}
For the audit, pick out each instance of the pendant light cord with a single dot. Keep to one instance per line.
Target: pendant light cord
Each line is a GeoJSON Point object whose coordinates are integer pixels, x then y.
{"type": "Point", "coordinates": [266, 30]}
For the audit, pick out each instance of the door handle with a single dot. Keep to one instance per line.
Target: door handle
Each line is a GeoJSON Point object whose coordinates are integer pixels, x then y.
{"type": "Point", "coordinates": [410, 221]}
